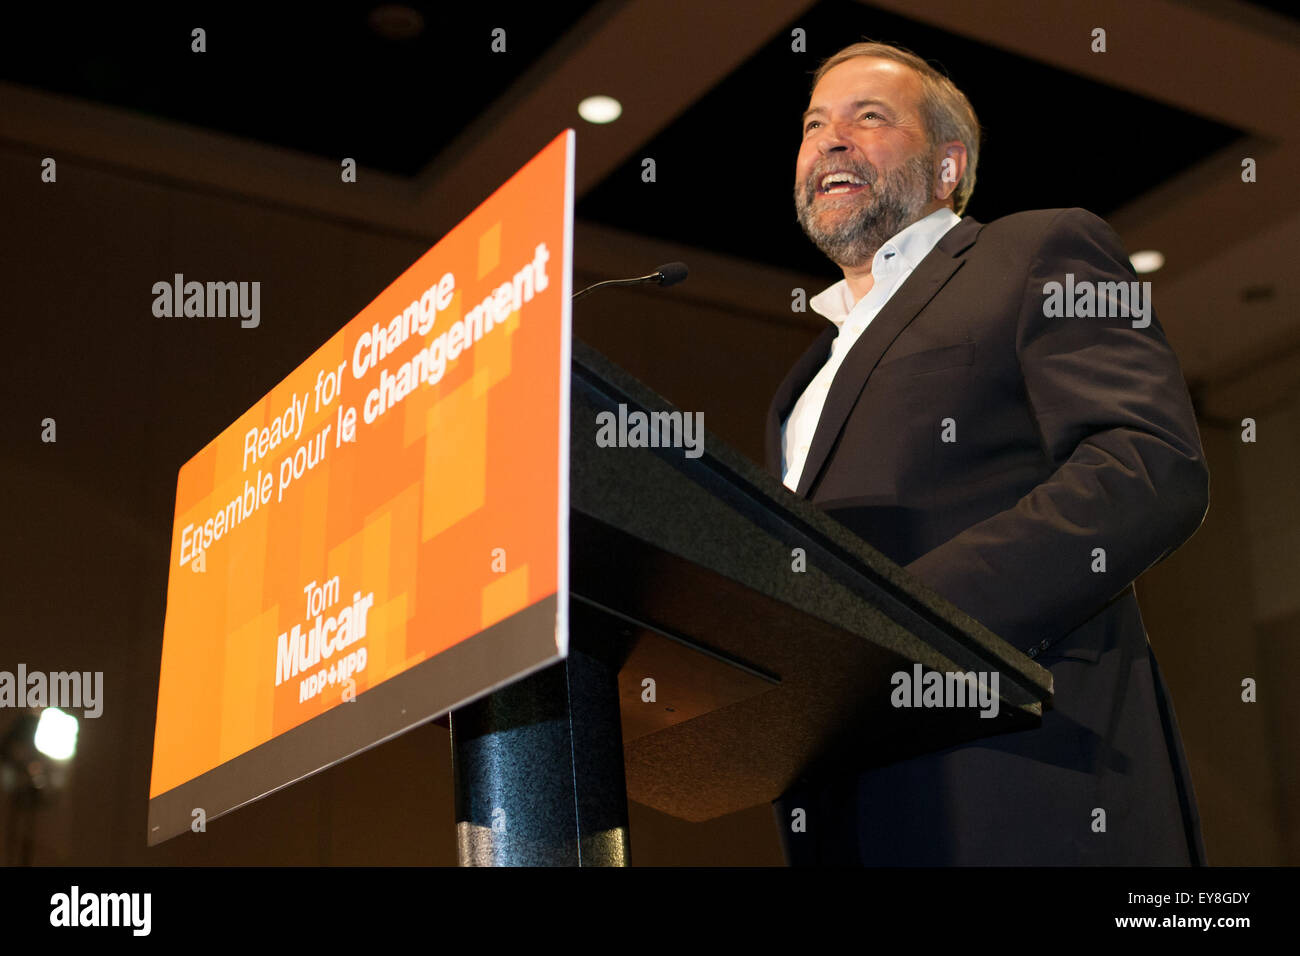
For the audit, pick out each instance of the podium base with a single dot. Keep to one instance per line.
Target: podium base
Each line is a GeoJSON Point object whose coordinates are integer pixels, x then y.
{"type": "Point", "coordinates": [538, 769]}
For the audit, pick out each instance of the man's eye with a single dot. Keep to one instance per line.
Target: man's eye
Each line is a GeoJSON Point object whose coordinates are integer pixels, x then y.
{"type": "Point", "coordinates": [811, 124]}
{"type": "Point", "coordinates": [876, 115]}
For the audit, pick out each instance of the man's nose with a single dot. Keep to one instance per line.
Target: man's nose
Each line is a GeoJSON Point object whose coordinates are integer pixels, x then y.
{"type": "Point", "coordinates": [833, 140]}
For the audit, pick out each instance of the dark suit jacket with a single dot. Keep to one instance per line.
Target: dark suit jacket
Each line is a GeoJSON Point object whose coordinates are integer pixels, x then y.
{"type": "Point", "coordinates": [1071, 434]}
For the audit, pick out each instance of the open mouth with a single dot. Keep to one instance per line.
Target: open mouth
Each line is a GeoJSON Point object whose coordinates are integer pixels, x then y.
{"type": "Point", "coordinates": [840, 184]}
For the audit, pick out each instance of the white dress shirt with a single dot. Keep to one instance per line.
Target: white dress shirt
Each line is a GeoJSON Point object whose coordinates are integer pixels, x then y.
{"type": "Point", "coordinates": [892, 264]}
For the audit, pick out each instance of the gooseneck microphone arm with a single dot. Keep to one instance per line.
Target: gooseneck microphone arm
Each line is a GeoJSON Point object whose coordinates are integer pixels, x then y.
{"type": "Point", "coordinates": [668, 274]}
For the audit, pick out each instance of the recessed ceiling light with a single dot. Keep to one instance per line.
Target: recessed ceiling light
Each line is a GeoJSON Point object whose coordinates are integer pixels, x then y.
{"type": "Point", "coordinates": [600, 109]}
{"type": "Point", "coordinates": [1148, 260]}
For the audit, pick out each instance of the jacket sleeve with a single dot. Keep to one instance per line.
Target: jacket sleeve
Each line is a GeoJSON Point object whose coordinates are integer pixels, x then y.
{"type": "Point", "coordinates": [1116, 422]}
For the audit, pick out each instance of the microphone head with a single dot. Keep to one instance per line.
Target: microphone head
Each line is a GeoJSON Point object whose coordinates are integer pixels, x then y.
{"type": "Point", "coordinates": [671, 273]}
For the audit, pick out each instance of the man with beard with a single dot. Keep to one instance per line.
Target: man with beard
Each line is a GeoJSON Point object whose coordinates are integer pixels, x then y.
{"type": "Point", "coordinates": [1025, 465]}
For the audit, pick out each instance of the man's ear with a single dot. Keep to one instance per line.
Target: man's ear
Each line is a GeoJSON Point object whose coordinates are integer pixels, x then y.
{"type": "Point", "coordinates": [952, 166]}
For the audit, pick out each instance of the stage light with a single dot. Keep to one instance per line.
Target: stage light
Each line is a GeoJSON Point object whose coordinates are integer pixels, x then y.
{"type": "Point", "coordinates": [600, 109]}
{"type": "Point", "coordinates": [56, 734]}
{"type": "Point", "coordinates": [1148, 260]}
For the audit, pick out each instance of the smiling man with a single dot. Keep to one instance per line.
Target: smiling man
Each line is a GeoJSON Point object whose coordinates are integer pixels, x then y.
{"type": "Point", "coordinates": [1025, 465]}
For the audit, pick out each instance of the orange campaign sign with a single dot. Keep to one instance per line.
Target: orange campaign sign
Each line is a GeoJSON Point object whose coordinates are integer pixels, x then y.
{"type": "Point", "coordinates": [383, 537]}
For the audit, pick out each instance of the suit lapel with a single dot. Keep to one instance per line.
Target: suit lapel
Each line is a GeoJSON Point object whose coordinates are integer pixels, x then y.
{"type": "Point", "coordinates": [908, 300]}
{"type": "Point", "coordinates": [789, 391]}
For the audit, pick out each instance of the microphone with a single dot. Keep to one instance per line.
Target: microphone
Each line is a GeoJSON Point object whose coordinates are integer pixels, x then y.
{"type": "Point", "coordinates": [670, 273]}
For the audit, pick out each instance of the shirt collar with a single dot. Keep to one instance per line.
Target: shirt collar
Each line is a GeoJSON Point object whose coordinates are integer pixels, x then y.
{"type": "Point", "coordinates": [903, 251]}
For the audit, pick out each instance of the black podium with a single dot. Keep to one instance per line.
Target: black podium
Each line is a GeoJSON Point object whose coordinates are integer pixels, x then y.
{"type": "Point", "coordinates": [726, 638]}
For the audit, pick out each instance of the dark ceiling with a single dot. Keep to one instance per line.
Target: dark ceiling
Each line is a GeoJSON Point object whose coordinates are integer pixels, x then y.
{"type": "Point", "coordinates": [1287, 8]}
{"type": "Point", "coordinates": [317, 79]}
{"type": "Point", "coordinates": [327, 83]}
{"type": "Point", "coordinates": [1049, 139]}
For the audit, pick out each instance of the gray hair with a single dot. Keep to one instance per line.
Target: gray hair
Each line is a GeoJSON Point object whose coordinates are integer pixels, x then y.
{"type": "Point", "coordinates": [945, 110]}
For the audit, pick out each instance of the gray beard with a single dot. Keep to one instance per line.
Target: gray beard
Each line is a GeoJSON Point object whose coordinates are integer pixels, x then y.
{"type": "Point", "coordinates": [895, 201]}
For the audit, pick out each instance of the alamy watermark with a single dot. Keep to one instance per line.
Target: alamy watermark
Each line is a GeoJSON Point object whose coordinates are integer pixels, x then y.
{"type": "Point", "coordinates": [946, 689]}
{"type": "Point", "coordinates": [178, 298]}
{"type": "Point", "coordinates": [75, 908]}
{"type": "Point", "coordinates": [651, 430]}
{"type": "Point", "coordinates": [62, 689]}
{"type": "Point", "coordinates": [1086, 299]}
